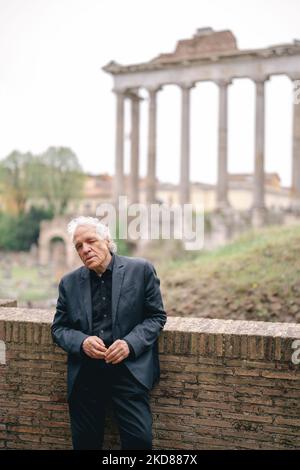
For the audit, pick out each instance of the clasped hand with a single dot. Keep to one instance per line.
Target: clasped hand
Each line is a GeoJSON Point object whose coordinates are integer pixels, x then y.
{"type": "Point", "coordinates": [95, 348]}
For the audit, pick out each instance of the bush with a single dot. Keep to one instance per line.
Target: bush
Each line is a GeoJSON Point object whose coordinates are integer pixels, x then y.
{"type": "Point", "coordinates": [18, 233]}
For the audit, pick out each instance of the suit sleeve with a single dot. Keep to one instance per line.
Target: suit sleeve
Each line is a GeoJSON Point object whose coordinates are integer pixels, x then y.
{"type": "Point", "coordinates": [67, 338]}
{"type": "Point", "coordinates": [143, 336]}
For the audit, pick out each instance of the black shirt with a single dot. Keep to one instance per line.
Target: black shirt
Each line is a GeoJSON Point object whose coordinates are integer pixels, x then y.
{"type": "Point", "coordinates": [101, 287]}
{"type": "Point", "coordinates": [101, 292]}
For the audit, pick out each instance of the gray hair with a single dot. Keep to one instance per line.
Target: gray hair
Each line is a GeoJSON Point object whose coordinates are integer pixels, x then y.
{"type": "Point", "coordinates": [101, 229]}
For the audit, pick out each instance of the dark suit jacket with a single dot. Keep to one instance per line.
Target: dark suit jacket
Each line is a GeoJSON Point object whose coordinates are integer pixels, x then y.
{"type": "Point", "coordinates": [137, 316]}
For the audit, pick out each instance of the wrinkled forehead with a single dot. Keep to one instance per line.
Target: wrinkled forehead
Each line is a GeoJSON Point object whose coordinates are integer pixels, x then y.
{"type": "Point", "coordinates": [83, 232]}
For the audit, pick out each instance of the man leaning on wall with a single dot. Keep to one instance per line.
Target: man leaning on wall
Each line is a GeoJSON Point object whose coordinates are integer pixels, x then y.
{"type": "Point", "coordinates": [108, 318]}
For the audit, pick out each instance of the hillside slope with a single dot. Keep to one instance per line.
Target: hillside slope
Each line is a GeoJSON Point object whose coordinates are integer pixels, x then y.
{"type": "Point", "coordinates": [254, 278]}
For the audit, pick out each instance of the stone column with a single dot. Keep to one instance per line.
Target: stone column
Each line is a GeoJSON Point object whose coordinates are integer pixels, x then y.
{"type": "Point", "coordinates": [118, 189]}
{"type": "Point", "coordinates": [295, 189]}
{"type": "Point", "coordinates": [185, 143]}
{"type": "Point", "coordinates": [151, 164]}
{"type": "Point", "coordinates": [259, 172]}
{"type": "Point", "coordinates": [135, 146]}
{"type": "Point", "coordinates": [222, 184]}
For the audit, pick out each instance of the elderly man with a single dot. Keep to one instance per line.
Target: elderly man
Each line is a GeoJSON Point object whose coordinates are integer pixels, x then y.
{"type": "Point", "coordinates": [108, 318]}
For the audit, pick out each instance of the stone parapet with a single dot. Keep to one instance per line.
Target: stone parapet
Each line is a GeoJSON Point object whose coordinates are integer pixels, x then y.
{"type": "Point", "coordinates": [224, 385]}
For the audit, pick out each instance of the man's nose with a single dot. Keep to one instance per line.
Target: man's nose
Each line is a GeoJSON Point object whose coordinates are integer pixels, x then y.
{"type": "Point", "coordinates": [85, 247]}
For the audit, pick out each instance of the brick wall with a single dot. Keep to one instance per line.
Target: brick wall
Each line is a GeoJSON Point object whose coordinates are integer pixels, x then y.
{"type": "Point", "coordinates": [224, 385]}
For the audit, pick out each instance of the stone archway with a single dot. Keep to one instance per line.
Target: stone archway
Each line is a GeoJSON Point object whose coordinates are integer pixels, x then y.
{"type": "Point", "coordinates": [57, 251]}
{"type": "Point", "coordinates": [55, 243]}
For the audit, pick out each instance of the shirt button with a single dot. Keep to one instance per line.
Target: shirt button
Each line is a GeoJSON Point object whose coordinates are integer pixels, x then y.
{"type": "Point", "coordinates": [103, 298]}
{"type": "Point", "coordinates": [102, 282]}
{"type": "Point", "coordinates": [105, 316]}
{"type": "Point", "coordinates": [101, 331]}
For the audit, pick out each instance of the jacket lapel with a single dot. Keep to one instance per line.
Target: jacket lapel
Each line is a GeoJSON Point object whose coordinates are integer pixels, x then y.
{"type": "Point", "coordinates": [86, 297]}
{"type": "Point", "coordinates": [117, 280]}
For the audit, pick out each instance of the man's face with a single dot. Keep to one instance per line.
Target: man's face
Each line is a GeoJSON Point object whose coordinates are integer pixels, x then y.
{"type": "Point", "coordinates": [92, 250]}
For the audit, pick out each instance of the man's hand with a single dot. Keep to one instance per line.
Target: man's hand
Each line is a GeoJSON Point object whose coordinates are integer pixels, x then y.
{"type": "Point", "coordinates": [94, 347]}
{"type": "Point", "coordinates": [117, 352]}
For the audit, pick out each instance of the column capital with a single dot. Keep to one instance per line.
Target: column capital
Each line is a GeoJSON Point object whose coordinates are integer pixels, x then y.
{"type": "Point", "coordinates": [133, 94]}
{"type": "Point", "coordinates": [260, 79]}
{"type": "Point", "coordinates": [153, 89]}
{"type": "Point", "coordinates": [294, 76]}
{"type": "Point", "coordinates": [223, 82]}
{"type": "Point", "coordinates": [186, 85]}
{"type": "Point", "coordinates": [119, 91]}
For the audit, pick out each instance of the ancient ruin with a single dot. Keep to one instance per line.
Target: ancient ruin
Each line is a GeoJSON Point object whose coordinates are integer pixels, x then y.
{"type": "Point", "coordinates": [208, 56]}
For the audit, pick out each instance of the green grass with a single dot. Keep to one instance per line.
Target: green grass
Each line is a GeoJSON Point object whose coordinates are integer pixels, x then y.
{"type": "Point", "coordinates": [20, 273]}
{"type": "Point", "coordinates": [255, 277]}
{"type": "Point", "coordinates": [34, 284]}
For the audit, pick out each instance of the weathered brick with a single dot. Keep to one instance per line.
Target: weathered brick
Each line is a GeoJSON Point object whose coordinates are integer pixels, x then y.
{"type": "Point", "coordinates": [219, 345]}
{"type": "Point", "coordinates": [167, 358]}
{"type": "Point", "coordinates": [170, 401]}
{"type": "Point", "coordinates": [278, 348]}
{"type": "Point", "coordinates": [203, 342]}
{"type": "Point", "coordinates": [248, 417]}
{"type": "Point", "coordinates": [174, 410]}
{"type": "Point", "coordinates": [280, 375]}
{"type": "Point", "coordinates": [222, 386]}
{"type": "Point", "coordinates": [244, 347]}
{"type": "Point", "coordinates": [287, 421]}
{"type": "Point", "coordinates": [29, 437]}
{"type": "Point", "coordinates": [247, 372]}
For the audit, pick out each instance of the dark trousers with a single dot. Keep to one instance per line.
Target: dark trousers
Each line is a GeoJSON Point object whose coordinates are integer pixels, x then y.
{"type": "Point", "coordinates": [97, 384]}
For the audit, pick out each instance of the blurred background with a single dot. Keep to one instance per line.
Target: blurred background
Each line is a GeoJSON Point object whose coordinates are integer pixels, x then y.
{"type": "Point", "coordinates": [236, 134]}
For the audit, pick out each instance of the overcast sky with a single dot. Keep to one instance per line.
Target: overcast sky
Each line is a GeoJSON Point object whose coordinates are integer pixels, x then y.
{"type": "Point", "coordinates": [54, 92]}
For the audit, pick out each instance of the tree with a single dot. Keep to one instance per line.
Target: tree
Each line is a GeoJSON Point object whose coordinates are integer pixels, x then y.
{"type": "Point", "coordinates": [16, 180]}
{"type": "Point", "coordinates": [52, 178]}
{"type": "Point", "coordinates": [60, 177]}
{"type": "Point", "coordinates": [19, 232]}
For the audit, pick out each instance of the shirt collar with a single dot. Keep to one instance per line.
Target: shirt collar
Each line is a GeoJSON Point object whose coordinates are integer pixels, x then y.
{"type": "Point", "coordinates": [111, 263]}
